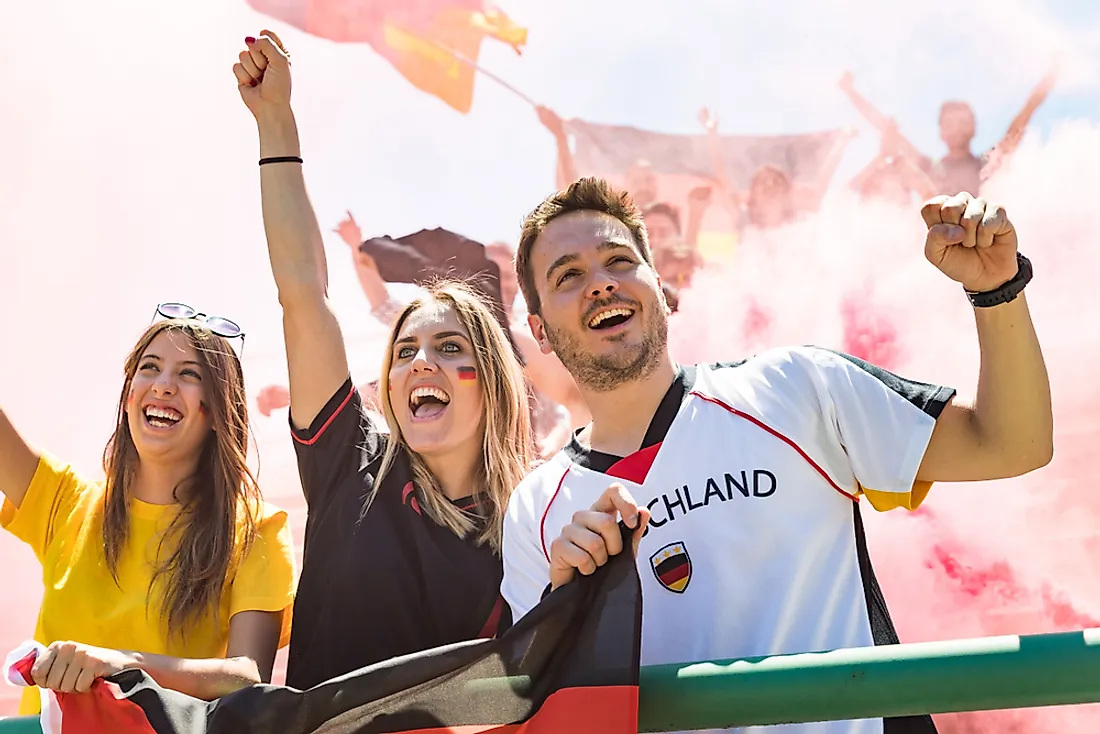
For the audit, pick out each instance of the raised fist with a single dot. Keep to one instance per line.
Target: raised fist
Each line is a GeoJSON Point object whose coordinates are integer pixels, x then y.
{"type": "Point", "coordinates": [349, 231]}
{"type": "Point", "coordinates": [263, 73]}
{"type": "Point", "coordinates": [970, 241]}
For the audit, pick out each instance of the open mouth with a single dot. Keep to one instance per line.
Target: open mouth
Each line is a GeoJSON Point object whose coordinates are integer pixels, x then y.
{"type": "Point", "coordinates": [158, 417]}
{"type": "Point", "coordinates": [428, 402]}
{"type": "Point", "coordinates": [611, 318]}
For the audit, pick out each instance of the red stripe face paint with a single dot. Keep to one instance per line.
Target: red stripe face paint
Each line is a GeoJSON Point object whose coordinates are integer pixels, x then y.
{"type": "Point", "coordinates": [466, 374]}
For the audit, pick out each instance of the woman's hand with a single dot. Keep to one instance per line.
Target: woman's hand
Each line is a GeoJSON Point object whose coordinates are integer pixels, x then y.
{"type": "Point", "coordinates": [263, 75]}
{"type": "Point", "coordinates": [71, 667]}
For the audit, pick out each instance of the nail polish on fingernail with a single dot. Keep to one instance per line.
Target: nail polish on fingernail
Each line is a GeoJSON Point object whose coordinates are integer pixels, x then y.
{"type": "Point", "coordinates": [249, 40]}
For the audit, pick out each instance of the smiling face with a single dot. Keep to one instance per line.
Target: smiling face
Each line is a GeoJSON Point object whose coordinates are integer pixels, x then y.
{"type": "Point", "coordinates": [601, 307]}
{"type": "Point", "coordinates": [166, 404]}
{"type": "Point", "coordinates": [434, 388]}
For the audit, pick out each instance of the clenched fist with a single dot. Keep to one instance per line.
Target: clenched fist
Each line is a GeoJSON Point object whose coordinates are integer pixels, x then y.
{"type": "Point", "coordinates": [263, 74]}
{"type": "Point", "coordinates": [971, 241]}
{"type": "Point", "coordinates": [72, 667]}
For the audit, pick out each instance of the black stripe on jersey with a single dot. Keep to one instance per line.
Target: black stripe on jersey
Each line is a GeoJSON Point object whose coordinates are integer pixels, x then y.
{"type": "Point", "coordinates": [882, 628]}
{"type": "Point", "coordinates": [929, 398]}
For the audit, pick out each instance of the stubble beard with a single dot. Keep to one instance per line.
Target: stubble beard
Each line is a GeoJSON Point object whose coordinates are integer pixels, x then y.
{"type": "Point", "coordinates": [605, 372]}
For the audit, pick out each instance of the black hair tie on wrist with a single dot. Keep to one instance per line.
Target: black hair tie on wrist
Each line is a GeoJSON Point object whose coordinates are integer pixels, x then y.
{"type": "Point", "coordinates": [281, 159]}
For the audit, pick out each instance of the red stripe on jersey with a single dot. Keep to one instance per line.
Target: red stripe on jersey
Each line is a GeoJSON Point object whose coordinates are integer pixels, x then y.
{"type": "Point", "coordinates": [489, 629]}
{"type": "Point", "coordinates": [782, 438]}
{"type": "Point", "coordinates": [676, 574]}
{"type": "Point", "coordinates": [331, 418]}
{"type": "Point", "coordinates": [542, 523]}
{"type": "Point", "coordinates": [635, 467]}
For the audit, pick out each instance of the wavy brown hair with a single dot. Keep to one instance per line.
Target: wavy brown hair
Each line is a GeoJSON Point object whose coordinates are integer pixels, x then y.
{"type": "Point", "coordinates": [220, 503]}
{"type": "Point", "coordinates": [508, 446]}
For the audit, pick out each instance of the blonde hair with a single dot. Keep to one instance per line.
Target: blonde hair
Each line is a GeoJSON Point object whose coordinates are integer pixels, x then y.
{"type": "Point", "coordinates": [507, 442]}
{"type": "Point", "coordinates": [217, 521]}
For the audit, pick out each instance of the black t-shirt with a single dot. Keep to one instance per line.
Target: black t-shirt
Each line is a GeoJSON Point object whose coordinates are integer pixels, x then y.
{"type": "Point", "coordinates": [390, 584]}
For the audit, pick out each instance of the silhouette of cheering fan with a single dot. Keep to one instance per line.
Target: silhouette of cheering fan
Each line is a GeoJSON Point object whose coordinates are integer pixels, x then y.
{"type": "Point", "coordinates": [430, 254]}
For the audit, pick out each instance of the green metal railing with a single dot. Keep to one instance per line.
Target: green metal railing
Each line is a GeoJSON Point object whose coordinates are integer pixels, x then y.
{"type": "Point", "coordinates": [980, 674]}
{"type": "Point", "coordinates": [896, 680]}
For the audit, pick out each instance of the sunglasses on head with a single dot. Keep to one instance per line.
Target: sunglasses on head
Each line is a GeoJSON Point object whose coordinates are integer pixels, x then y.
{"type": "Point", "coordinates": [218, 325]}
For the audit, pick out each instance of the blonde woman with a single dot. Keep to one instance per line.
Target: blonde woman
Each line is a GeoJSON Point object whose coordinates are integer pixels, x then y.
{"type": "Point", "coordinates": [403, 535]}
{"type": "Point", "coordinates": [174, 564]}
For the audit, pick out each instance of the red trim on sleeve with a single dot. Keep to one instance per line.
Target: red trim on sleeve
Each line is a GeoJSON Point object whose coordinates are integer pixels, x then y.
{"type": "Point", "coordinates": [492, 624]}
{"type": "Point", "coordinates": [331, 418]}
{"type": "Point", "coordinates": [542, 523]}
{"type": "Point", "coordinates": [782, 438]}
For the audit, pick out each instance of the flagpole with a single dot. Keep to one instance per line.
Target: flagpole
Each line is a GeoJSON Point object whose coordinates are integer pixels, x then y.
{"type": "Point", "coordinates": [477, 67]}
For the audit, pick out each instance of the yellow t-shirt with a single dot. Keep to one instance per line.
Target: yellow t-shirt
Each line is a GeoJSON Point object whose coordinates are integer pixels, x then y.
{"type": "Point", "coordinates": [60, 519]}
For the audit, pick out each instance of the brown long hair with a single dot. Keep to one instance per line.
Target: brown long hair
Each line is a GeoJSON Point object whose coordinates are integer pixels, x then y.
{"type": "Point", "coordinates": [217, 521]}
{"type": "Point", "coordinates": [507, 442]}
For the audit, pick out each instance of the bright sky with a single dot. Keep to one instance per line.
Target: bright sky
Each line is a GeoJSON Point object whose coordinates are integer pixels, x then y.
{"type": "Point", "coordinates": [130, 172]}
{"type": "Point", "coordinates": [130, 176]}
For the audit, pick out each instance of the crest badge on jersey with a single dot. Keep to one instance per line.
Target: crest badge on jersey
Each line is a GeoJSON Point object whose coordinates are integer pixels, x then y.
{"type": "Point", "coordinates": [672, 567]}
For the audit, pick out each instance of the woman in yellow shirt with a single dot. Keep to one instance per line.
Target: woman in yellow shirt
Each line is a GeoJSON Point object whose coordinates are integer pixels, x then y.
{"type": "Point", "coordinates": [174, 564]}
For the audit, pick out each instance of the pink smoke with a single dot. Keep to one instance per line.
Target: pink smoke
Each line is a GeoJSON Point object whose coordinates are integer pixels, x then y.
{"type": "Point", "coordinates": [130, 177]}
{"type": "Point", "coordinates": [1007, 557]}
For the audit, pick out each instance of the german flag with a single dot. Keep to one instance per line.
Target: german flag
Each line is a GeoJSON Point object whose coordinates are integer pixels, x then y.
{"type": "Point", "coordinates": [570, 665]}
{"type": "Point", "coordinates": [419, 38]}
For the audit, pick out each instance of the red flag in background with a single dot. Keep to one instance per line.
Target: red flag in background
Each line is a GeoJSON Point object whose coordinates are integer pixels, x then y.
{"type": "Point", "coordinates": [685, 162]}
{"type": "Point", "coordinates": [416, 36]}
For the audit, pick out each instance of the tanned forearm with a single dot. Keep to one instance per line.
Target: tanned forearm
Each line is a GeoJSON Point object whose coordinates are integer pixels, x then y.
{"type": "Point", "coordinates": [288, 216]}
{"type": "Point", "coordinates": [1012, 409]}
{"type": "Point", "coordinates": [316, 359]}
{"type": "Point", "coordinates": [206, 679]}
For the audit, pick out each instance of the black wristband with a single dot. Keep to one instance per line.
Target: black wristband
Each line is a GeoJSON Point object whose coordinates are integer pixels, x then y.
{"type": "Point", "coordinates": [1006, 292]}
{"type": "Point", "coordinates": [281, 159]}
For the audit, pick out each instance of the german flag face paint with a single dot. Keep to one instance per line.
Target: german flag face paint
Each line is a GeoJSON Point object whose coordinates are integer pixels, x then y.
{"type": "Point", "coordinates": [466, 374]}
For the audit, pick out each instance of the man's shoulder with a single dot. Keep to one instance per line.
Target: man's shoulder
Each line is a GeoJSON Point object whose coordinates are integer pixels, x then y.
{"type": "Point", "coordinates": [777, 362]}
{"type": "Point", "coordinates": [534, 491]}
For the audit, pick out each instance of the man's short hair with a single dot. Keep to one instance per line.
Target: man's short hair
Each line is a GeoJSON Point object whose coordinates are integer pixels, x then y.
{"type": "Point", "coordinates": [585, 194]}
{"type": "Point", "coordinates": [666, 209]}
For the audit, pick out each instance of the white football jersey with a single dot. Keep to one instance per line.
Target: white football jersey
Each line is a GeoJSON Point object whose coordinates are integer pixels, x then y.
{"type": "Point", "coordinates": [753, 473]}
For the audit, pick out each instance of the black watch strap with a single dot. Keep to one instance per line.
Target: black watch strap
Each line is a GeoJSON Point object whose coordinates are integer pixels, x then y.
{"type": "Point", "coordinates": [1006, 292]}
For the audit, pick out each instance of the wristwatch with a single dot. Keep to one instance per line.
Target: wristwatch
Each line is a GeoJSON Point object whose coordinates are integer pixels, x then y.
{"type": "Point", "coordinates": [1008, 291]}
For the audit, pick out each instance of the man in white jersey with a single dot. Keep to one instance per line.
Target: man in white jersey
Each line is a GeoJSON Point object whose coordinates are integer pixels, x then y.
{"type": "Point", "coordinates": [744, 481]}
